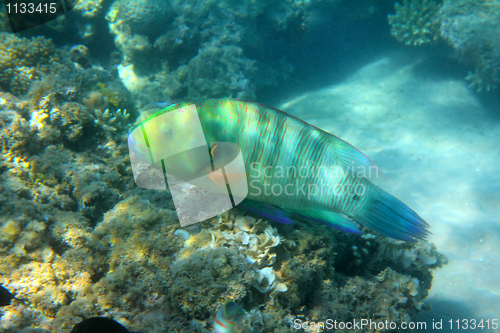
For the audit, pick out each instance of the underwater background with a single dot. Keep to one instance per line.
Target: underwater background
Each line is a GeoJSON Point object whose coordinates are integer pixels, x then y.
{"type": "Point", "coordinates": [413, 85]}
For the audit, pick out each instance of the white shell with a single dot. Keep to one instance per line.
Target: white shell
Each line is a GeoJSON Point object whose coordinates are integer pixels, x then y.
{"type": "Point", "coordinates": [182, 233]}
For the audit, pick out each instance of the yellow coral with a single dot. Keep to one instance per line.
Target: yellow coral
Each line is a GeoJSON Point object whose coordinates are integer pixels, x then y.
{"type": "Point", "coordinates": [89, 8]}
{"type": "Point", "coordinates": [21, 59]}
{"type": "Point", "coordinates": [10, 230]}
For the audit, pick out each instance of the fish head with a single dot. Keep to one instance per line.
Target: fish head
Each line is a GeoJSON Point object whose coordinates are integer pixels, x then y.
{"type": "Point", "coordinates": [172, 140]}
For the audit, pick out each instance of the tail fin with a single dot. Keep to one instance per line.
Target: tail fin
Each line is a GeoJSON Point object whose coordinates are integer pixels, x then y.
{"type": "Point", "coordinates": [391, 217]}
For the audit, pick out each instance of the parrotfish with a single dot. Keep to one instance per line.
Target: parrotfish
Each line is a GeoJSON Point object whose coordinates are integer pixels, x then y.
{"type": "Point", "coordinates": [292, 169]}
{"type": "Point", "coordinates": [227, 316]}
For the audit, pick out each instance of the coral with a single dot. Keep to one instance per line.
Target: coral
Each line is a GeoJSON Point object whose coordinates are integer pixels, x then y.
{"type": "Point", "coordinates": [74, 125]}
{"type": "Point", "coordinates": [89, 8]}
{"type": "Point", "coordinates": [130, 242]}
{"type": "Point", "coordinates": [202, 281]}
{"type": "Point", "coordinates": [399, 290]}
{"type": "Point", "coordinates": [22, 78]}
{"type": "Point", "coordinates": [22, 60]}
{"type": "Point", "coordinates": [76, 271]}
{"type": "Point", "coordinates": [11, 230]}
{"type": "Point", "coordinates": [53, 116]}
{"type": "Point", "coordinates": [111, 121]}
{"type": "Point", "coordinates": [74, 84]}
{"type": "Point", "coordinates": [71, 122]}
{"type": "Point", "coordinates": [134, 49]}
{"type": "Point", "coordinates": [470, 27]}
{"type": "Point", "coordinates": [414, 22]}
{"type": "Point", "coordinates": [225, 65]}
{"type": "Point", "coordinates": [112, 95]}
{"type": "Point", "coordinates": [234, 255]}
{"type": "Point", "coordinates": [201, 50]}
{"type": "Point", "coordinates": [95, 100]}
{"type": "Point", "coordinates": [18, 137]}
{"type": "Point", "coordinates": [411, 257]}
{"type": "Point", "coordinates": [141, 16]}
{"type": "Point", "coordinates": [256, 238]}
{"type": "Point", "coordinates": [138, 267]}
{"type": "Point", "coordinates": [79, 54]}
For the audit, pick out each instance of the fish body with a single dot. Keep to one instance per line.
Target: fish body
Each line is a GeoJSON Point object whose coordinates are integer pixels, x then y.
{"type": "Point", "coordinates": [227, 316]}
{"type": "Point", "coordinates": [293, 169]}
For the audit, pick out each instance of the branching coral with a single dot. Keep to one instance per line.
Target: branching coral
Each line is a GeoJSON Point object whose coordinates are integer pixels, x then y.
{"type": "Point", "coordinates": [111, 121]}
{"type": "Point", "coordinates": [414, 22]}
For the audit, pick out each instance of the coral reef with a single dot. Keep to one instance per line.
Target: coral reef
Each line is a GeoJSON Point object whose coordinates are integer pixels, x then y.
{"type": "Point", "coordinates": [414, 22]}
{"type": "Point", "coordinates": [201, 50]}
{"type": "Point", "coordinates": [470, 27]}
{"type": "Point", "coordinates": [24, 60]}
{"type": "Point", "coordinates": [44, 138]}
{"type": "Point", "coordinates": [138, 267]}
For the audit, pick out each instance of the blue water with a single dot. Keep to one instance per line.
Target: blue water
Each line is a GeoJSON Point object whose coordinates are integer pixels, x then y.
{"type": "Point", "coordinates": [80, 237]}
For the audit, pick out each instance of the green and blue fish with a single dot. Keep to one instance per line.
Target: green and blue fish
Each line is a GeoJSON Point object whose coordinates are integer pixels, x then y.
{"type": "Point", "coordinates": [227, 317]}
{"type": "Point", "coordinates": [291, 168]}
